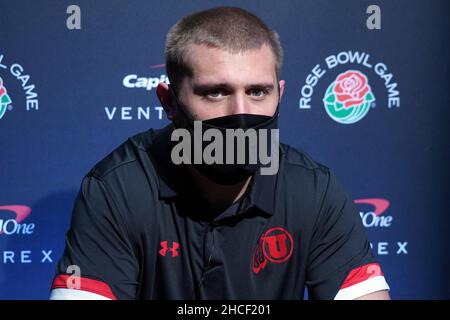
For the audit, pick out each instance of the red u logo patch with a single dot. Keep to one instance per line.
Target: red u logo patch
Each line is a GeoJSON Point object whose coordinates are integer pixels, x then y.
{"type": "Point", "coordinates": [275, 245]}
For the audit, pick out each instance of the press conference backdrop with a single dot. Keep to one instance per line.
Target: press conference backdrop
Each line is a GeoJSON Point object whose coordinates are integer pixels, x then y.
{"type": "Point", "coordinates": [72, 90]}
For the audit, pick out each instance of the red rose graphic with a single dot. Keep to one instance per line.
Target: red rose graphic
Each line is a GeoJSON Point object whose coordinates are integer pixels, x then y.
{"type": "Point", "coordinates": [351, 88]}
{"type": "Point", "coordinates": [2, 89]}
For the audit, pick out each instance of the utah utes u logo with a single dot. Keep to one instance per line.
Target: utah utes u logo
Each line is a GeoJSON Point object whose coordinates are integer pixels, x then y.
{"type": "Point", "coordinates": [165, 247]}
{"type": "Point", "coordinates": [275, 245]}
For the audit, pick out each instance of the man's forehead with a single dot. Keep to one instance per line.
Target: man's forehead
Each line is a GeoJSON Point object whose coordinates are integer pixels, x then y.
{"type": "Point", "coordinates": [215, 65]}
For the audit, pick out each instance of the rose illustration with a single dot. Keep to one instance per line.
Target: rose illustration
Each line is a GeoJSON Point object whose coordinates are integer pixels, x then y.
{"type": "Point", "coordinates": [351, 88]}
{"type": "Point", "coordinates": [348, 99]}
{"type": "Point", "coordinates": [4, 99]}
{"type": "Point", "coordinates": [2, 89]}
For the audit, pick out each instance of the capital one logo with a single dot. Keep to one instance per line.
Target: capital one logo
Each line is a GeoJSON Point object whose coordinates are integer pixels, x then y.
{"type": "Point", "coordinates": [375, 217]}
{"type": "Point", "coordinates": [132, 81]}
{"type": "Point", "coordinates": [141, 112]}
{"type": "Point", "coordinates": [15, 225]}
{"type": "Point", "coordinates": [275, 245]}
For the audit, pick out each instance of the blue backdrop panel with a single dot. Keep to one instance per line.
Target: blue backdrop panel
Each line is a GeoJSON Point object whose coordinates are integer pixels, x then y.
{"type": "Point", "coordinates": [68, 97]}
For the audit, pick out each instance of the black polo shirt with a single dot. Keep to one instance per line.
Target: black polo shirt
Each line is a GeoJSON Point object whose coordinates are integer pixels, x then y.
{"type": "Point", "coordinates": [141, 230]}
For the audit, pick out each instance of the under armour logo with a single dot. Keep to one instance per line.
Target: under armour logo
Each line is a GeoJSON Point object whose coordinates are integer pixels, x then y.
{"type": "Point", "coordinates": [173, 249]}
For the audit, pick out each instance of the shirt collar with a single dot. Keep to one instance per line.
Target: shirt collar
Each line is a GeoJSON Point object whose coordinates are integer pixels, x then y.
{"type": "Point", "coordinates": [169, 175]}
{"type": "Point", "coordinates": [262, 193]}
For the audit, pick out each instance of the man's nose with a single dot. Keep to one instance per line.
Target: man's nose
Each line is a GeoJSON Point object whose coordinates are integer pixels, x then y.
{"type": "Point", "coordinates": [239, 104]}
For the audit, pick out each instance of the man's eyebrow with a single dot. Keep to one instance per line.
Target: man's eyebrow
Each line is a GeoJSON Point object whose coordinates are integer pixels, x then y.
{"type": "Point", "coordinates": [202, 87]}
{"type": "Point", "coordinates": [268, 86]}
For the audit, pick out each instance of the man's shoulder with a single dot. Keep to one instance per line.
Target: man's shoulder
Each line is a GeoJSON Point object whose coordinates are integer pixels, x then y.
{"type": "Point", "coordinates": [301, 173]}
{"type": "Point", "coordinates": [127, 155]}
{"type": "Point", "coordinates": [298, 160]}
{"type": "Point", "coordinates": [315, 181]}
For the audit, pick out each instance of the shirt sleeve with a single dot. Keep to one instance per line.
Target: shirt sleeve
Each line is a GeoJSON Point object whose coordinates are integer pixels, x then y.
{"type": "Point", "coordinates": [341, 263]}
{"type": "Point", "coordinates": [98, 261]}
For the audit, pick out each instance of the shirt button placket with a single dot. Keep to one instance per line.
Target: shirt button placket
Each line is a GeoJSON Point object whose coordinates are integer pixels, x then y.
{"type": "Point", "coordinates": [209, 246]}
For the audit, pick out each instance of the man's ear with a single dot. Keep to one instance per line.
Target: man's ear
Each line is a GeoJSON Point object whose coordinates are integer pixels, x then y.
{"type": "Point", "coordinates": [281, 85]}
{"type": "Point", "coordinates": [167, 101]}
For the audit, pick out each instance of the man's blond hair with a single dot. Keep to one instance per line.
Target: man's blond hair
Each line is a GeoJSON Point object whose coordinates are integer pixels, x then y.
{"type": "Point", "coordinates": [231, 29]}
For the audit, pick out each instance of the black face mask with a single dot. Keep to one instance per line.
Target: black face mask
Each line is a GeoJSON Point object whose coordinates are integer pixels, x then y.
{"type": "Point", "coordinates": [225, 173]}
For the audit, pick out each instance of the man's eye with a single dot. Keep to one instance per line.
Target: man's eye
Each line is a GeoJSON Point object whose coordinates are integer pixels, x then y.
{"type": "Point", "coordinates": [258, 93]}
{"type": "Point", "coordinates": [214, 94]}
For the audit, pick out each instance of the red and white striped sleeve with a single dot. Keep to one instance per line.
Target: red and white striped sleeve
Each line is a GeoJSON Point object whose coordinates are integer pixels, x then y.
{"type": "Point", "coordinates": [64, 288]}
{"type": "Point", "coordinates": [361, 281]}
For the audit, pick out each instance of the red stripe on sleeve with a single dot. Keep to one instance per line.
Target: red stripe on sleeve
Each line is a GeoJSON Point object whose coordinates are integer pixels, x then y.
{"type": "Point", "coordinates": [62, 281]}
{"type": "Point", "coordinates": [361, 274]}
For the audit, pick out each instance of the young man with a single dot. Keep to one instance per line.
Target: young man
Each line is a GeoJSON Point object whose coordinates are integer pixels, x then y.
{"type": "Point", "coordinates": [145, 226]}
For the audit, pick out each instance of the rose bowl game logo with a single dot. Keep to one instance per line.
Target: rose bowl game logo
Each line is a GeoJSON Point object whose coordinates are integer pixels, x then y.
{"type": "Point", "coordinates": [5, 100]}
{"type": "Point", "coordinates": [348, 99]}
{"type": "Point", "coordinates": [12, 74]}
